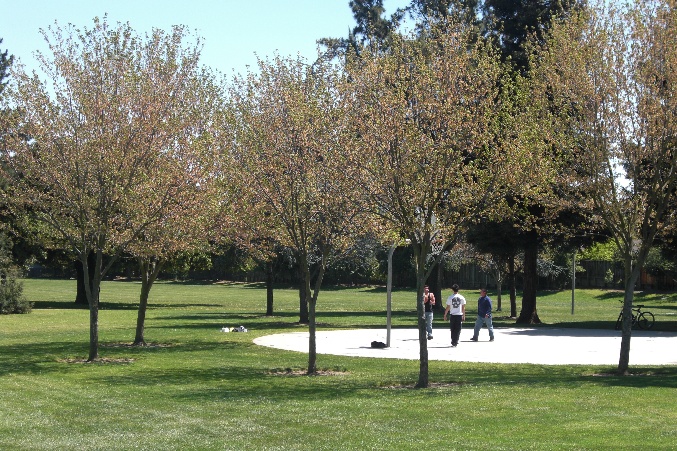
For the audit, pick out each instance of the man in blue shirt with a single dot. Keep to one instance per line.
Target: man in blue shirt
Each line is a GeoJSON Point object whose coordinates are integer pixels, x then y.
{"type": "Point", "coordinates": [483, 315]}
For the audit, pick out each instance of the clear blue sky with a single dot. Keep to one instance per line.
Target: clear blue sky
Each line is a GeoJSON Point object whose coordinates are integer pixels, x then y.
{"type": "Point", "coordinates": [233, 30]}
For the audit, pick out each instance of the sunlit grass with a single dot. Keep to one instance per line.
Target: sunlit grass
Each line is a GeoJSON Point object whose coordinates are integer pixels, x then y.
{"type": "Point", "coordinates": [195, 387]}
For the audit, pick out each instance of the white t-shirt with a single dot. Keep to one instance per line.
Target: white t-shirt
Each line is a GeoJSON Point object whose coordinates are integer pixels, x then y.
{"type": "Point", "coordinates": [456, 301]}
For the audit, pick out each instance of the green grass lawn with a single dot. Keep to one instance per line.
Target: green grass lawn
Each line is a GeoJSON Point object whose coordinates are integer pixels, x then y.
{"type": "Point", "coordinates": [195, 387]}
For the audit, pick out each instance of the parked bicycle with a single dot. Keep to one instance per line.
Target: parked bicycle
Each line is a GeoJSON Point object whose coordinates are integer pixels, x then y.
{"type": "Point", "coordinates": [643, 319]}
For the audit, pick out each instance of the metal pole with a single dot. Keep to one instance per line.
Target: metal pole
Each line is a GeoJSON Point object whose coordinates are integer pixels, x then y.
{"type": "Point", "coordinates": [573, 282]}
{"type": "Point", "coordinates": [390, 288]}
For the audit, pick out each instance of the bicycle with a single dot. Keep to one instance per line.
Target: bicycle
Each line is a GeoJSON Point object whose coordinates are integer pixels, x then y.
{"type": "Point", "coordinates": [644, 319]}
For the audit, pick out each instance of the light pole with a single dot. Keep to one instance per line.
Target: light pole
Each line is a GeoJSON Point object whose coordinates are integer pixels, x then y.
{"type": "Point", "coordinates": [573, 282]}
{"type": "Point", "coordinates": [389, 289]}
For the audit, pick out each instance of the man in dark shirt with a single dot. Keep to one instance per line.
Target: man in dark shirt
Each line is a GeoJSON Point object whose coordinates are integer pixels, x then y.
{"type": "Point", "coordinates": [483, 315]}
{"type": "Point", "coordinates": [428, 304]}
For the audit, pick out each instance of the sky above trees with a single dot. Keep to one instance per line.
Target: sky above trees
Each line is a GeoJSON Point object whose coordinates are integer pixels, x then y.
{"type": "Point", "coordinates": [233, 31]}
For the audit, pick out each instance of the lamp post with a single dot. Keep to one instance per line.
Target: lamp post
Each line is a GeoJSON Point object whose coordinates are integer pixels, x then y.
{"type": "Point", "coordinates": [389, 289]}
{"type": "Point", "coordinates": [573, 282]}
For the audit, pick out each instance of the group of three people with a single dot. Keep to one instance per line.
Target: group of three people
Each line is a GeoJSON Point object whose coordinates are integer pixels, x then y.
{"type": "Point", "coordinates": [455, 310]}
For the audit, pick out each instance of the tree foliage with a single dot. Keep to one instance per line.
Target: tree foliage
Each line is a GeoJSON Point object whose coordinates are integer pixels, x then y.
{"type": "Point", "coordinates": [5, 64]}
{"type": "Point", "coordinates": [609, 75]}
{"type": "Point", "coordinates": [424, 116]}
{"type": "Point", "coordinates": [553, 214]}
{"type": "Point", "coordinates": [373, 29]}
{"type": "Point", "coordinates": [290, 161]}
{"type": "Point", "coordinates": [102, 150]}
{"type": "Point", "coordinates": [512, 24]}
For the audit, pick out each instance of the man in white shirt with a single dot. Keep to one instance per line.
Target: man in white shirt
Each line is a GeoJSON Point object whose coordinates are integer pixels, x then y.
{"type": "Point", "coordinates": [456, 311]}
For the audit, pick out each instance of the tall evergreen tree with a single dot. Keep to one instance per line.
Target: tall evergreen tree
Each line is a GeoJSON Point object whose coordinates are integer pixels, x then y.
{"type": "Point", "coordinates": [423, 12]}
{"type": "Point", "coordinates": [5, 63]}
{"type": "Point", "coordinates": [510, 25]}
{"type": "Point", "coordinates": [372, 27]}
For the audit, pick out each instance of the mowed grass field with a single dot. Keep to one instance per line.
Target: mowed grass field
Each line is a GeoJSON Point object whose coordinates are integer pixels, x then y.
{"type": "Point", "coordinates": [194, 387]}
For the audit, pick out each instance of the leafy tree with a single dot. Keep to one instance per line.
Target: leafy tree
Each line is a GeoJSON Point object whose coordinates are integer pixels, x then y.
{"type": "Point", "coordinates": [512, 26]}
{"type": "Point", "coordinates": [107, 156]}
{"type": "Point", "coordinates": [184, 230]}
{"type": "Point", "coordinates": [605, 251]}
{"type": "Point", "coordinates": [290, 162]}
{"type": "Point", "coordinates": [372, 29]}
{"type": "Point", "coordinates": [498, 240]}
{"type": "Point", "coordinates": [427, 13]}
{"type": "Point", "coordinates": [423, 113]}
{"type": "Point", "coordinates": [5, 63]}
{"type": "Point", "coordinates": [11, 289]}
{"type": "Point", "coordinates": [612, 89]}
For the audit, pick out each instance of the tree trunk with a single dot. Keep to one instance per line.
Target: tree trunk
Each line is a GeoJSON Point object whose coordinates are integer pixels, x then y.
{"type": "Point", "coordinates": [312, 338]}
{"type": "Point", "coordinates": [422, 337]}
{"type": "Point", "coordinates": [312, 324]}
{"type": "Point", "coordinates": [149, 272]}
{"type": "Point", "coordinates": [420, 255]}
{"type": "Point", "coordinates": [631, 275]}
{"type": "Point", "coordinates": [529, 314]}
{"type": "Point", "coordinates": [139, 339]}
{"type": "Point", "coordinates": [303, 299]}
{"type": "Point", "coordinates": [269, 288]}
{"type": "Point", "coordinates": [92, 279]}
{"type": "Point", "coordinates": [81, 293]}
{"type": "Point", "coordinates": [435, 285]}
{"type": "Point", "coordinates": [512, 286]}
{"type": "Point", "coordinates": [499, 288]}
{"type": "Point", "coordinates": [93, 330]}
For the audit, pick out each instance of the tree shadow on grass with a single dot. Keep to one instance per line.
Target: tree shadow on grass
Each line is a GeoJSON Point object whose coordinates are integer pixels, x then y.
{"type": "Point", "coordinates": [238, 383]}
{"type": "Point", "coordinates": [281, 320]}
{"type": "Point", "coordinates": [638, 377]}
{"type": "Point", "coordinates": [662, 324]}
{"type": "Point", "coordinates": [58, 357]}
{"type": "Point", "coordinates": [239, 371]}
{"type": "Point", "coordinates": [69, 305]}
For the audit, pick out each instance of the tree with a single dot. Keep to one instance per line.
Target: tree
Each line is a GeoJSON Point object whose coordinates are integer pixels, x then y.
{"type": "Point", "coordinates": [427, 13]}
{"type": "Point", "coordinates": [511, 25]}
{"type": "Point", "coordinates": [609, 76]}
{"type": "Point", "coordinates": [107, 153]}
{"type": "Point", "coordinates": [498, 240]}
{"type": "Point", "coordinates": [372, 29]}
{"type": "Point", "coordinates": [186, 229]}
{"type": "Point", "coordinates": [423, 113]}
{"type": "Point", "coordinates": [291, 166]}
{"type": "Point", "coordinates": [5, 63]}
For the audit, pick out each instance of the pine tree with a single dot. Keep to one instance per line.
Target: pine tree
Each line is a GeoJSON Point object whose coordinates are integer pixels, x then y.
{"type": "Point", "coordinates": [5, 63]}
{"type": "Point", "coordinates": [510, 25]}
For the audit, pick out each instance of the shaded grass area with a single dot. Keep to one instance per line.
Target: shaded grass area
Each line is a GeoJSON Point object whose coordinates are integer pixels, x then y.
{"type": "Point", "coordinates": [197, 388]}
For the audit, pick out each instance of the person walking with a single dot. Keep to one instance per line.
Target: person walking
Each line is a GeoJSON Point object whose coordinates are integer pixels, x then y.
{"type": "Point", "coordinates": [483, 315]}
{"type": "Point", "coordinates": [428, 304]}
{"type": "Point", "coordinates": [456, 310]}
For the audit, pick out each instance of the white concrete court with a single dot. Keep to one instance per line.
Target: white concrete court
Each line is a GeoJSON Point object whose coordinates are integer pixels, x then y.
{"type": "Point", "coordinates": [542, 345]}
